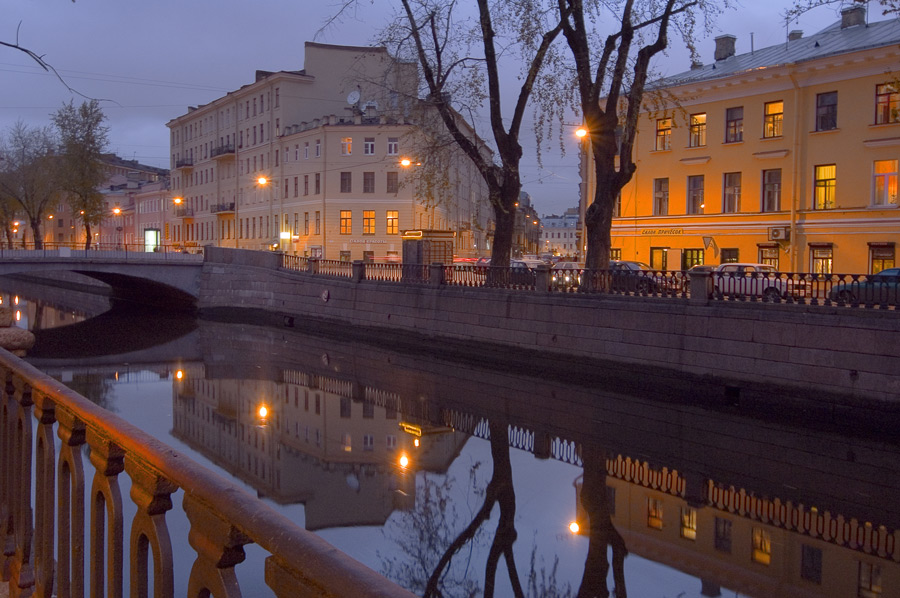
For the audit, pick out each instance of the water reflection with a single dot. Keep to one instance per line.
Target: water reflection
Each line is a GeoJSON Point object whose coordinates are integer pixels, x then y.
{"type": "Point", "coordinates": [759, 508]}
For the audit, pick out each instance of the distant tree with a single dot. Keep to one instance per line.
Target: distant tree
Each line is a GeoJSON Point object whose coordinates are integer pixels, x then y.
{"type": "Point", "coordinates": [610, 75]}
{"type": "Point", "coordinates": [28, 173]}
{"type": "Point", "coordinates": [7, 218]}
{"type": "Point", "coordinates": [83, 139]}
{"type": "Point", "coordinates": [803, 6]}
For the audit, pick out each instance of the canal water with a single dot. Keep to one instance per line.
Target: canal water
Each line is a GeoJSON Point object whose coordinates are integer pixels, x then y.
{"type": "Point", "coordinates": [531, 478]}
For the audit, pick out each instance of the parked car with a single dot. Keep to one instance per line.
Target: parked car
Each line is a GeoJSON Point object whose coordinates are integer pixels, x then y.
{"type": "Point", "coordinates": [882, 288]}
{"type": "Point", "coordinates": [636, 277]}
{"type": "Point", "coordinates": [566, 276]}
{"type": "Point", "coordinates": [753, 280]}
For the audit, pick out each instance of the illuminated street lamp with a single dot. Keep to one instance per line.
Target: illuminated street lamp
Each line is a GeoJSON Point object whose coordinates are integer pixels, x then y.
{"type": "Point", "coordinates": [117, 211]}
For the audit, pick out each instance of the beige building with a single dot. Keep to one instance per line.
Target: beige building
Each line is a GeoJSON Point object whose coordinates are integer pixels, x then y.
{"type": "Point", "coordinates": [786, 155]}
{"type": "Point", "coordinates": [324, 162]}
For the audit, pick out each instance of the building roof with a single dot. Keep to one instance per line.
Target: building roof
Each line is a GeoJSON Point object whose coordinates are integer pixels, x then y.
{"type": "Point", "coordinates": [831, 41]}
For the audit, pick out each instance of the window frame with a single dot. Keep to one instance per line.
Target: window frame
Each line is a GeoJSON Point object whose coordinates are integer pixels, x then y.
{"type": "Point", "coordinates": [890, 179]}
{"type": "Point", "coordinates": [393, 146]}
{"type": "Point", "coordinates": [346, 181]}
{"type": "Point", "coordinates": [824, 186]}
{"type": "Point", "coordinates": [392, 219]}
{"type": "Point", "coordinates": [770, 189]}
{"type": "Point", "coordinates": [368, 146]}
{"type": "Point", "coordinates": [368, 182]}
{"type": "Point", "coordinates": [346, 146]}
{"type": "Point", "coordinates": [392, 181]}
{"type": "Point", "coordinates": [663, 134]}
{"type": "Point", "coordinates": [734, 124]}
{"type": "Point", "coordinates": [697, 130]}
{"type": "Point", "coordinates": [661, 196]}
{"type": "Point", "coordinates": [346, 222]}
{"type": "Point", "coordinates": [694, 195]}
{"type": "Point", "coordinates": [826, 113]}
{"type": "Point", "coordinates": [731, 192]}
{"type": "Point", "coordinates": [773, 122]}
{"type": "Point", "coordinates": [887, 103]}
{"type": "Point", "coordinates": [368, 222]}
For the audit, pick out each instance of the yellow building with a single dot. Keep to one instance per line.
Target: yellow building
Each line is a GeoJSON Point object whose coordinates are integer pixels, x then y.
{"type": "Point", "coordinates": [786, 155]}
{"type": "Point", "coordinates": [322, 162]}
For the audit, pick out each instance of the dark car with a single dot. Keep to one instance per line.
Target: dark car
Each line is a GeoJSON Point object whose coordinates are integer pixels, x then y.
{"type": "Point", "coordinates": [882, 288]}
{"type": "Point", "coordinates": [632, 277]}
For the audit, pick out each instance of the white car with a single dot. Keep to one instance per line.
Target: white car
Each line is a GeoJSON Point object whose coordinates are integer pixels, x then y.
{"type": "Point", "coordinates": [752, 280]}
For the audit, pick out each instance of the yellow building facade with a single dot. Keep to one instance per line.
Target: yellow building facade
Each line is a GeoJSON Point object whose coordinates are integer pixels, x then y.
{"type": "Point", "coordinates": [786, 155]}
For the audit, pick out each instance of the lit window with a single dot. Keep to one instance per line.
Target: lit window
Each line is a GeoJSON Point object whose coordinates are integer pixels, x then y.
{"type": "Point", "coordinates": [663, 133]}
{"type": "Point", "coordinates": [884, 191]}
{"type": "Point", "coordinates": [346, 146]}
{"type": "Point", "coordinates": [369, 222]}
{"type": "Point", "coordinates": [346, 222]}
{"type": "Point", "coordinates": [769, 255]}
{"type": "Point", "coordinates": [689, 523]}
{"type": "Point", "coordinates": [774, 119]}
{"type": "Point", "coordinates": [825, 185]}
{"type": "Point", "coordinates": [762, 546]}
{"type": "Point", "coordinates": [369, 146]}
{"type": "Point", "coordinates": [826, 111]}
{"type": "Point", "coordinates": [887, 103]}
{"type": "Point", "coordinates": [654, 513]}
{"type": "Point", "coordinates": [734, 124]}
{"type": "Point", "coordinates": [393, 222]}
{"type": "Point", "coordinates": [821, 259]}
{"type": "Point", "coordinates": [881, 257]}
{"type": "Point", "coordinates": [697, 130]}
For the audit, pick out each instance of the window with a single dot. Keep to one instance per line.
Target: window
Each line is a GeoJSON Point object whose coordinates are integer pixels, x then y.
{"type": "Point", "coordinates": [305, 184]}
{"type": "Point", "coordinates": [277, 96]}
{"type": "Point", "coordinates": [869, 580]}
{"type": "Point", "coordinates": [368, 442]}
{"type": "Point", "coordinates": [346, 182]}
{"type": "Point", "coordinates": [825, 187]}
{"type": "Point", "coordinates": [771, 190]}
{"type": "Point", "coordinates": [774, 119]}
{"type": "Point", "coordinates": [390, 442]}
{"type": "Point", "coordinates": [730, 256]}
{"type": "Point", "coordinates": [821, 259]}
{"type": "Point", "coordinates": [346, 146]}
{"type": "Point", "coordinates": [393, 185]}
{"type": "Point", "coordinates": [615, 253]}
{"type": "Point", "coordinates": [722, 540]}
{"type": "Point", "coordinates": [654, 513]}
{"type": "Point", "coordinates": [369, 222]}
{"type": "Point", "coordinates": [660, 197]}
{"type": "Point", "coordinates": [393, 222]}
{"type": "Point", "coordinates": [697, 136]}
{"type": "Point", "coordinates": [663, 134]}
{"type": "Point", "coordinates": [393, 144]}
{"type": "Point", "coordinates": [318, 183]}
{"type": "Point", "coordinates": [768, 254]}
{"type": "Point", "coordinates": [659, 258]}
{"type": "Point", "coordinates": [811, 564]}
{"type": "Point", "coordinates": [762, 546]}
{"type": "Point", "coordinates": [368, 182]}
{"type": "Point", "coordinates": [884, 191]}
{"type": "Point", "coordinates": [346, 222]}
{"type": "Point", "coordinates": [689, 523]}
{"type": "Point", "coordinates": [887, 103]}
{"type": "Point", "coordinates": [881, 257]}
{"type": "Point", "coordinates": [345, 408]}
{"type": "Point", "coordinates": [318, 147]}
{"type": "Point", "coordinates": [306, 150]}
{"type": "Point", "coordinates": [691, 257]}
{"type": "Point", "coordinates": [296, 187]}
{"type": "Point", "coordinates": [368, 256]}
{"type": "Point", "coordinates": [695, 203]}
{"type": "Point", "coordinates": [306, 223]}
{"type": "Point", "coordinates": [731, 200]}
{"type": "Point", "coordinates": [826, 111]}
{"type": "Point", "coordinates": [734, 124]}
{"type": "Point", "coordinates": [318, 223]}
{"type": "Point", "coordinates": [345, 256]}
{"type": "Point", "coordinates": [369, 146]}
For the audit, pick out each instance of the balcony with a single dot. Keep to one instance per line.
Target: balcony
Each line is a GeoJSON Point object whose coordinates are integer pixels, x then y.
{"type": "Point", "coordinates": [186, 163]}
{"type": "Point", "coordinates": [223, 151]}
{"type": "Point", "coordinates": [222, 208]}
{"type": "Point", "coordinates": [184, 212]}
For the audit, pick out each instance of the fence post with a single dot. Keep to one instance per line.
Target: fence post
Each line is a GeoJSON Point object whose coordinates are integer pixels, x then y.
{"type": "Point", "coordinates": [701, 288]}
{"type": "Point", "coordinates": [357, 271]}
{"type": "Point", "coordinates": [436, 274]}
{"type": "Point", "coordinates": [312, 265]}
{"type": "Point", "coordinates": [542, 278]}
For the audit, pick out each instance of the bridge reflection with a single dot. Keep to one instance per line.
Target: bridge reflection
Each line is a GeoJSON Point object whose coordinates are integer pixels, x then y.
{"type": "Point", "coordinates": [763, 507]}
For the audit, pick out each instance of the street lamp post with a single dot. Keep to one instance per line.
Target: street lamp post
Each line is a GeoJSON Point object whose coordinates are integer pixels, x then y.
{"type": "Point", "coordinates": [118, 212]}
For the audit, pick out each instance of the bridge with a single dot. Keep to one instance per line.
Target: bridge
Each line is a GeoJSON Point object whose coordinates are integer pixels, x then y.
{"type": "Point", "coordinates": [166, 278]}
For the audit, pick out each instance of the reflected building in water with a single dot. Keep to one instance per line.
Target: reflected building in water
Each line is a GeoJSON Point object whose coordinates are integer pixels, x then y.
{"type": "Point", "coordinates": [323, 442]}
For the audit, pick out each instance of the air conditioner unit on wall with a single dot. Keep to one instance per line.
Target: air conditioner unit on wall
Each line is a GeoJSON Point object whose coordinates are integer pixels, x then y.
{"type": "Point", "coordinates": [779, 233]}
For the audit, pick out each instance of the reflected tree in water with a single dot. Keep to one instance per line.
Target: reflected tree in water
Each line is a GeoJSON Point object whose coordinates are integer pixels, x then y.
{"type": "Point", "coordinates": [602, 535]}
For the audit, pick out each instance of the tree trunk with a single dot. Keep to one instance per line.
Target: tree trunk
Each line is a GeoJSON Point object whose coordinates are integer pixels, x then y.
{"type": "Point", "coordinates": [87, 235]}
{"type": "Point", "coordinates": [36, 233]}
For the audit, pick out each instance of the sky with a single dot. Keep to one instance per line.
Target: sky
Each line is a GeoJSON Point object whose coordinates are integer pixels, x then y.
{"type": "Point", "coordinates": [151, 60]}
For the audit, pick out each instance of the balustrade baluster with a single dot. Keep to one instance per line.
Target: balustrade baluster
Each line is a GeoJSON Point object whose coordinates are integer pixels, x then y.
{"type": "Point", "coordinates": [151, 492]}
{"type": "Point", "coordinates": [70, 513]}
{"type": "Point", "coordinates": [106, 516]}
{"type": "Point", "coordinates": [7, 428]}
{"type": "Point", "coordinates": [21, 566]}
{"type": "Point", "coordinates": [219, 546]}
{"type": "Point", "coordinates": [45, 413]}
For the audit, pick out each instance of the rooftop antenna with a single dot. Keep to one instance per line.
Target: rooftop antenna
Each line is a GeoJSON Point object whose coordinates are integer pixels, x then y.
{"type": "Point", "coordinates": [751, 42]}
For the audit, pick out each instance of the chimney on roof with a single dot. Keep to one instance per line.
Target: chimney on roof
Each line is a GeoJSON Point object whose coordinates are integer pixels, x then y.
{"type": "Point", "coordinates": [724, 46]}
{"type": "Point", "coordinates": [795, 35]}
{"type": "Point", "coordinates": [855, 15]}
{"type": "Point", "coordinates": [696, 64]}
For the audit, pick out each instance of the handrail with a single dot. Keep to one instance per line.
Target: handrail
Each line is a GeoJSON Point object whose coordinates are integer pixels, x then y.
{"type": "Point", "coordinates": [223, 517]}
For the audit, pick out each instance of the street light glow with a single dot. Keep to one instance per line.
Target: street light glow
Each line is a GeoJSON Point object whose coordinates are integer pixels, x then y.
{"type": "Point", "coordinates": [405, 162]}
{"type": "Point", "coordinates": [116, 210]}
{"type": "Point", "coordinates": [404, 461]}
{"type": "Point", "coordinates": [581, 132]}
{"type": "Point", "coordinates": [262, 180]}
{"type": "Point", "coordinates": [179, 374]}
{"type": "Point", "coordinates": [263, 411]}
{"type": "Point", "coordinates": [574, 527]}
{"type": "Point", "coordinates": [177, 201]}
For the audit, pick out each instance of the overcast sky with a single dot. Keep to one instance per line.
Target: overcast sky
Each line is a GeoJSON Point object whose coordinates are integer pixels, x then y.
{"type": "Point", "coordinates": [153, 59]}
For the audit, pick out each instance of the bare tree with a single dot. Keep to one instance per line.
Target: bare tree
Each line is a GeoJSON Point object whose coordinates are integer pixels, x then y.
{"type": "Point", "coordinates": [611, 77]}
{"type": "Point", "coordinates": [28, 173]}
{"type": "Point", "coordinates": [460, 59]}
{"type": "Point", "coordinates": [84, 137]}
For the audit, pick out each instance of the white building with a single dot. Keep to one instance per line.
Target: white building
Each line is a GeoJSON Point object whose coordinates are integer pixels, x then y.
{"type": "Point", "coordinates": [559, 234]}
{"type": "Point", "coordinates": [309, 162]}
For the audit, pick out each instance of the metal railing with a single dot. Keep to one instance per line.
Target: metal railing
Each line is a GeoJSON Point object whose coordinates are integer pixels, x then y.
{"type": "Point", "coordinates": [46, 486]}
{"type": "Point", "coordinates": [110, 251]}
{"type": "Point", "coordinates": [800, 288]}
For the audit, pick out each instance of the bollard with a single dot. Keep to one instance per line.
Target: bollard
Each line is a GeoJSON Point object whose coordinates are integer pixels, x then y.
{"type": "Point", "coordinates": [436, 274]}
{"type": "Point", "coordinates": [701, 288]}
{"type": "Point", "coordinates": [542, 278]}
{"type": "Point", "coordinates": [357, 271]}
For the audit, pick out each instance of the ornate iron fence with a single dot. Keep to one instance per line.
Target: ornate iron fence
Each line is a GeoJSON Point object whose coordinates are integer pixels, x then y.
{"type": "Point", "coordinates": [45, 487]}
